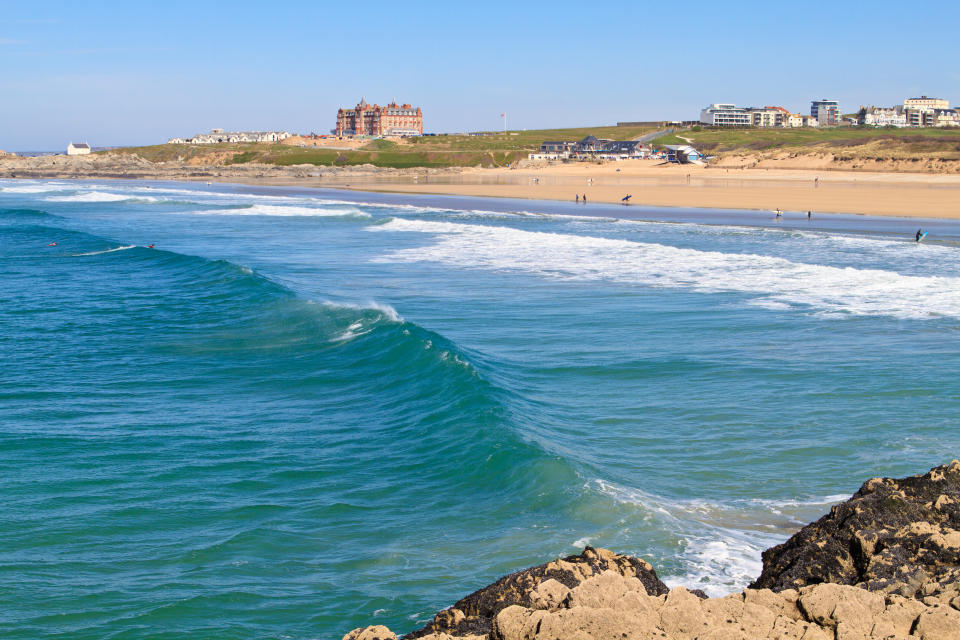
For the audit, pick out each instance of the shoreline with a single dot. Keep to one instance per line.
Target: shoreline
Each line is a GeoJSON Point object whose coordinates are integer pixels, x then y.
{"type": "Point", "coordinates": [893, 227]}
{"type": "Point", "coordinates": [650, 183]}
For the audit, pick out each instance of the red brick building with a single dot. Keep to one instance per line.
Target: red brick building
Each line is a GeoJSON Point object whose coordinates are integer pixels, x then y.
{"type": "Point", "coordinates": [373, 120]}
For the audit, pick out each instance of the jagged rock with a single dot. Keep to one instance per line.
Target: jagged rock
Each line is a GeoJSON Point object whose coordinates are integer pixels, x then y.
{"type": "Point", "coordinates": [894, 536]}
{"type": "Point", "coordinates": [525, 588]}
{"type": "Point", "coordinates": [884, 565]}
{"type": "Point", "coordinates": [938, 623]}
{"type": "Point", "coordinates": [375, 632]}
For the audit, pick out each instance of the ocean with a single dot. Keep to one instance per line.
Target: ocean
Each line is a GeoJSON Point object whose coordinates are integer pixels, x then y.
{"type": "Point", "coordinates": [303, 411]}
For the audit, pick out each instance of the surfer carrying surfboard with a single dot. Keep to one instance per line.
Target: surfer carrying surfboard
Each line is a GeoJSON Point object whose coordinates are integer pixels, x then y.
{"type": "Point", "coordinates": [920, 234]}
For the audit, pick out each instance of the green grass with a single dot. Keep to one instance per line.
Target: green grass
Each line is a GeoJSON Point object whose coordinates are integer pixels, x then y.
{"type": "Point", "coordinates": [523, 140]}
{"type": "Point", "coordinates": [894, 142]}
{"type": "Point", "coordinates": [432, 151]}
{"type": "Point", "coordinates": [429, 151]}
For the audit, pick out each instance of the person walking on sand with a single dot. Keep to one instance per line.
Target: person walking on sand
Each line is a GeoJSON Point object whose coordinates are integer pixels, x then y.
{"type": "Point", "coordinates": [584, 198]}
{"type": "Point", "coordinates": [578, 198]}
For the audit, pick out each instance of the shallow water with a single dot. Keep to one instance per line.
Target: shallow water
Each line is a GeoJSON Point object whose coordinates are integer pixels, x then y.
{"type": "Point", "coordinates": [304, 411]}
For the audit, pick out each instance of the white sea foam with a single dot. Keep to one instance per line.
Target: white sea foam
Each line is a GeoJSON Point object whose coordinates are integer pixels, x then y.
{"type": "Point", "coordinates": [722, 543]}
{"type": "Point", "coordinates": [94, 196]}
{"type": "Point", "coordinates": [97, 253]}
{"type": "Point", "coordinates": [822, 288]}
{"type": "Point", "coordinates": [33, 188]}
{"type": "Point", "coordinates": [386, 311]}
{"type": "Point", "coordinates": [285, 210]}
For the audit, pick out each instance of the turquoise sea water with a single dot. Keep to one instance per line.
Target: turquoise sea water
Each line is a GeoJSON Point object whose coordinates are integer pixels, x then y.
{"type": "Point", "coordinates": [304, 411]}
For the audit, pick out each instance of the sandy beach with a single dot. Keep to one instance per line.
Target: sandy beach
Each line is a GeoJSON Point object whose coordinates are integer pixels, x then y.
{"type": "Point", "coordinates": [654, 183]}
{"type": "Point", "coordinates": [648, 182]}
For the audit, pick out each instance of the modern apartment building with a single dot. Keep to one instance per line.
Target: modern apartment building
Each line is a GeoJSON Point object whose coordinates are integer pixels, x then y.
{"type": "Point", "coordinates": [826, 112]}
{"type": "Point", "coordinates": [726, 115]}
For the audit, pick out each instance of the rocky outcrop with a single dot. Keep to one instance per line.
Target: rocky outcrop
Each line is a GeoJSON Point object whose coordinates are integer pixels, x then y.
{"type": "Point", "coordinates": [208, 167]}
{"type": "Point", "coordinates": [893, 536]}
{"type": "Point", "coordinates": [883, 565]}
{"type": "Point", "coordinates": [542, 587]}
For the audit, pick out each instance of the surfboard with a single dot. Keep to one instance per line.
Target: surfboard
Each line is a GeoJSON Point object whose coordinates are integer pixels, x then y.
{"type": "Point", "coordinates": [922, 236]}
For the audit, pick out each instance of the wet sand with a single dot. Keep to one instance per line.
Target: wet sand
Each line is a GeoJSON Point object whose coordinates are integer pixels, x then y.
{"type": "Point", "coordinates": [655, 184]}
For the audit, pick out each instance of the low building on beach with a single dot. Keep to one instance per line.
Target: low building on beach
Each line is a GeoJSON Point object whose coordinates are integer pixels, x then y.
{"type": "Point", "coordinates": [591, 148]}
{"type": "Point", "coordinates": [683, 154]}
{"type": "Point", "coordinates": [78, 149]}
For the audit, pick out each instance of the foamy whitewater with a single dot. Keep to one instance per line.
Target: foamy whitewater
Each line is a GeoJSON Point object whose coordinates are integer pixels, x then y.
{"type": "Point", "coordinates": [302, 409]}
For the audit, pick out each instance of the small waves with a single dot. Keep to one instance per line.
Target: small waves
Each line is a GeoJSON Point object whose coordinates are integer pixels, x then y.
{"type": "Point", "coordinates": [95, 196]}
{"type": "Point", "coordinates": [97, 253]}
{"type": "Point", "coordinates": [834, 290]}
{"type": "Point", "coordinates": [284, 210]}
{"type": "Point", "coordinates": [720, 543]}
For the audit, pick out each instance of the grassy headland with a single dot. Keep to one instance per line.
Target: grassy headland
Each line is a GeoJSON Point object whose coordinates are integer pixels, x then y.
{"type": "Point", "coordinates": [494, 150]}
{"type": "Point", "coordinates": [924, 150]}
{"type": "Point", "coordinates": [845, 143]}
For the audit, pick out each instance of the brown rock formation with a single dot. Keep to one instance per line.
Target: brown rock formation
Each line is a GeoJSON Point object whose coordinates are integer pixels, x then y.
{"type": "Point", "coordinates": [893, 536]}
{"type": "Point", "coordinates": [881, 566]}
{"type": "Point", "coordinates": [541, 587]}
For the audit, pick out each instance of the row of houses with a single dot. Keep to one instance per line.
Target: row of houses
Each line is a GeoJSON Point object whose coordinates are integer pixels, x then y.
{"type": "Point", "coordinates": [219, 135]}
{"type": "Point", "coordinates": [822, 113]}
{"type": "Point", "coordinates": [914, 112]}
{"type": "Point", "coordinates": [593, 148]}
{"type": "Point", "coordinates": [590, 148]}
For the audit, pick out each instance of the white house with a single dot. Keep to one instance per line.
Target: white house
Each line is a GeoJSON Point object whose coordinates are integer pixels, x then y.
{"type": "Point", "coordinates": [78, 149]}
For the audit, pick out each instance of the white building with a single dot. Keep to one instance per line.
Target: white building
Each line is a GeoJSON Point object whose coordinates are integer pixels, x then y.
{"type": "Point", "coordinates": [219, 135]}
{"type": "Point", "coordinates": [880, 117]}
{"type": "Point", "coordinates": [946, 118]}
{"type": "Point", "coordinates": [729, 115]}
{"type": "Point", "coordinates": [769, 116]}
{"type": "Point", "coordinates": [926, 104]}
{"type": "Point", "coordinates": [78, 149]}
{"type": "Point", "coordinates": [793, 120]}
{"type": "Point", "coordinates": [725, 115]}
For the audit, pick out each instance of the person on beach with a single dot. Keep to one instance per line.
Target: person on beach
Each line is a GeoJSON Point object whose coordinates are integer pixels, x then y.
{"type": "Point", "coordinates": [578, 198]}
{"type": "Point", "coordinates": [816, 182]}
{"type": "Point", "coordinates": [779, 213]}
{"type": "Point", "coordinates": [809, 214]}
{"type": "Point", "coordinates": [584, 198]}
{"type": "Point", "coordinates": [626, 199]}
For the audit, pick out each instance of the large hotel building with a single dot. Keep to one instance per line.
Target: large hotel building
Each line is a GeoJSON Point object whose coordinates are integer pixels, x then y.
{"type": "Point", "coordinates": [373, 120]}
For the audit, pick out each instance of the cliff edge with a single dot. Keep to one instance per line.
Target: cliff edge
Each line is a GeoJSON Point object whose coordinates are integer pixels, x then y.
{"type": "Point", "coordinates": [882, 565]}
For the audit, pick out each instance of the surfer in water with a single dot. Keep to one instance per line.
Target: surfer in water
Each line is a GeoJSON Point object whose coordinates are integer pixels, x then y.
{"type": "Point", "coordinates": [920, 234]}
{"type": "Point", "coordinates": [52, 244]}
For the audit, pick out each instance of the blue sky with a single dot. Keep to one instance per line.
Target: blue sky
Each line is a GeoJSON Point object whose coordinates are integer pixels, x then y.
{"type": "Point", "coordinates": [117, 73]}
